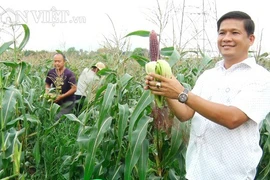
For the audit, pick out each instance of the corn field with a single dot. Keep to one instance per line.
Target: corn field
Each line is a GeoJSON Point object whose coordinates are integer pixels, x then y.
{"type": "Point", "coordinates": [115, 136]}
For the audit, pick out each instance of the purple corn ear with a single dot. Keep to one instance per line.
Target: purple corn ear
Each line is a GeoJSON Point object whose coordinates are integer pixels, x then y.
{"type": "Point", "coordinates": [154, 46]}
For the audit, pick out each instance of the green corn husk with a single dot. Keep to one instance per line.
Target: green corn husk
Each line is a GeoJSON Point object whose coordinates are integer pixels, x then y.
{"type": "Point", "coordinates": [162, 68]}
{"type": "Point", "coordinates": [150, 67]}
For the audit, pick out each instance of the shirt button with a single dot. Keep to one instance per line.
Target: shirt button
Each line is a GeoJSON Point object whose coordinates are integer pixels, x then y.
{"type": "Point", "coordinates": [227, 89]}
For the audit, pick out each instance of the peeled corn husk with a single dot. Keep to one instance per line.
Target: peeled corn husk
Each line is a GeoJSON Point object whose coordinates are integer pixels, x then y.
{"type": "Point", "coordinates": [163, 68]}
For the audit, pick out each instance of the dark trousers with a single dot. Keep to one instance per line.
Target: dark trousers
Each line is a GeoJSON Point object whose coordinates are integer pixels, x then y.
{"type": "Point", "coordinates": [79, 103]}
{"type": "Point", "coordinates": [65, 108]}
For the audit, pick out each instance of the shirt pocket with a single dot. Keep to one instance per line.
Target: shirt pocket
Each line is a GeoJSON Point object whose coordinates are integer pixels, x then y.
{"type": "Point", "coordinates": [226, 93]}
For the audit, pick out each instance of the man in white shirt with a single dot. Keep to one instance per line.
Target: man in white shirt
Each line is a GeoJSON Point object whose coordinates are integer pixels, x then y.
{"type": "Point", "coordinates": [226, 106]}
{"type": "Point", "coordinates": [87, 79]}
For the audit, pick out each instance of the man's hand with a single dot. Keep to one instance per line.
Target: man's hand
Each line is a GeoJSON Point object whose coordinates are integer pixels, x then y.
{"type": "Point", "coordinates": [169, 87]}
{"type": "Point", "coordinates": [59, 98]}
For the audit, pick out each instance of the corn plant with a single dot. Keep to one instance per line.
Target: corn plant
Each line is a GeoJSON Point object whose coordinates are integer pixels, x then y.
{"type": "Point", "coordinates": [115, 136]}
{"type": "Point", "coordinates": [263, 170]}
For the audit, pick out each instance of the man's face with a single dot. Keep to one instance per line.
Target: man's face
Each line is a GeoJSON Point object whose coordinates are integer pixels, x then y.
{"type": "Point", "coordinates": [58, 61]}
{"type": "Point", "coordinates": [95, 69]}
{"type": "Point", "coordinates": [233, 41]}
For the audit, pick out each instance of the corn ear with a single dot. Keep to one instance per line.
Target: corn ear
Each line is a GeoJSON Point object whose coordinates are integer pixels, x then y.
{"type": "Point", "coordinates": [163, 68]}
{"type": "Point", "coordinates": [154, 46]}
{"type": "Point", "coordinates": [160, 66]}
{"type": "Point", "coordinates": [150, 67]}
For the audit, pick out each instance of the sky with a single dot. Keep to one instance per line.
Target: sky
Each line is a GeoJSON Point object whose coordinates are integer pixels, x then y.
{"type": "Point", "coordinates": [86, 24]}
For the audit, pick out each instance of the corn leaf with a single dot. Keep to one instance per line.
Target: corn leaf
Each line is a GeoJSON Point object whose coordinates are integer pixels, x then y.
{"type": "Point", "coordinates": [20, 72]}
{"type": "Point", "coordinates": [143, 160]}
{"type": "Point", "coordinates": [145, 100]}
{"type": "Point", "coordinates": [55, 108]}
{"type": "Point", "coordinates": [116, 175]}
{"type": "Point", "coordinates": [72, 117]}
{"type": "Point", "coordinates": [96, 138]}
{"type": "Point", "coordinates": [167, 51]}
{"type": "Point", "coordinates": [135, 147]}
{"type": "Point", "coordinates": [141, 33]}
{"type": "Point", "coordinates": [8, 104]}
{"type": "Point", "coordinates": [123, 82]}
{"type": "Point", "coordinates": [30, 118]}
{"type": "Point", "coordinates": [107, 102]}
{"type": "Point", "coordinates": [26, 36]}
{"type": "Point", "coordinates": [122, 121]}
{"type": "Point", "coordinates": [172, 175]}
{"type": "Point", "coordinates": [174, 58]}
{"type": "Point", "coordinates": [176, 141]}
{"type": "Point", "coordinates": [5, 46]}
{"type": "Point", "coordinates": [99, 92]}
{"type": "Point", "coordinates": [36, 152]}
{"type": "Point", "coordinates": [204, 62]}
{"type": "Point", "coordinates": [140, 59]}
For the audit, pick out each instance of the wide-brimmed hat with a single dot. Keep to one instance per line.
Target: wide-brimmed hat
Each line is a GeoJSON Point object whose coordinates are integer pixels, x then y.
{"type": "Point", "coordinates": [99, 65]}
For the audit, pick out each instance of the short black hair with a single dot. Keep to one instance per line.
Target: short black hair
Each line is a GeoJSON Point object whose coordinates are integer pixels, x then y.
{"type": "Point", "coordinates": [248, 22]}
{"type": "Point", "coordinates": [64, 57]}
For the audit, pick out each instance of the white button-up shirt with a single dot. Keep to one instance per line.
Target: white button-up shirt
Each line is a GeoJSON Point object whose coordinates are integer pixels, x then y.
{"type": "Point", "coordinates": [216, 152]}
{"type": "Point", "coordinates": [85, 82]}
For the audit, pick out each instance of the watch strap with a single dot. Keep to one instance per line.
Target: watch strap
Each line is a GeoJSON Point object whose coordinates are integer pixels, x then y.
{"type": "Point", "coordinates": [185, 91]}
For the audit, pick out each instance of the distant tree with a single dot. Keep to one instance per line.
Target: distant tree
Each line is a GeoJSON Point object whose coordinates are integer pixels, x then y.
{"type": "Point", "coordinates": [141, 52]}
{"type": "Point", "coordinates": [71, 50]}
{"type": "Point", "coordinates": [28, 53]}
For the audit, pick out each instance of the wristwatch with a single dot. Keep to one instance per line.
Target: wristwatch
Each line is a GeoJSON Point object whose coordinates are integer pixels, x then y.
{"type": "Point", "coordinates": [183, 96]}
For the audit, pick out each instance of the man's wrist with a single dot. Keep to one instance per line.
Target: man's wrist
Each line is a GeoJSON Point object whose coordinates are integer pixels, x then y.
{"type": "Point", "coordinates": [183, 96]}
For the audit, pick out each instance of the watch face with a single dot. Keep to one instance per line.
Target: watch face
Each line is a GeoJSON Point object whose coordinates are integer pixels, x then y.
{"type": "Point", "coordinates": [182, 98]}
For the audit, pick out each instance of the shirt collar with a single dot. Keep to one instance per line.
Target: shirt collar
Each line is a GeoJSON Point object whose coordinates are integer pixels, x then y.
{"type": "Point", "coordinates": [250, 62]}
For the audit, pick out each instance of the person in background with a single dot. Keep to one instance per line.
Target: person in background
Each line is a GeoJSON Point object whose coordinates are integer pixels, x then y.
{"type": "Point", "coordinates": [63, 82]}
{"type": "Point", "coordinates": [226, 107]}
{"type": "Point", "coordinates": [86, 83]}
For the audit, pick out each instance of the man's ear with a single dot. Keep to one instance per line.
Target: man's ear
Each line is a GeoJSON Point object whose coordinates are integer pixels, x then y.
{"type": "Point", "coordinates": [251, 39]}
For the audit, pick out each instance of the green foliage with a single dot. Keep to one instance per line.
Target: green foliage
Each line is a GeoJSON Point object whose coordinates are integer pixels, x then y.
{"type": "Point", "coordinates": [141, 33]}
{"type": "Point", "coordinates": [115, 136]}
{"type": "Point", "coordinates": [263, 171]}
{"type": "Point", "coordinates": [5, 46]}
{"type": "Point", "coordinates": [26, 37]}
